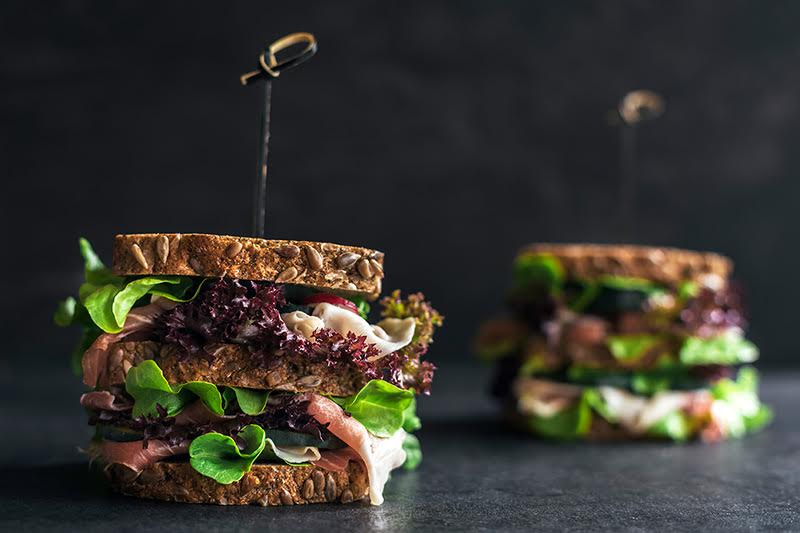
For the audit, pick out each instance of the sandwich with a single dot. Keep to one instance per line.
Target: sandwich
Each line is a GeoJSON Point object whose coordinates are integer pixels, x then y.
{"type": "Point", "coordinates": [624, 342]}
{"type": "Point", "coordinates": [232, 370]}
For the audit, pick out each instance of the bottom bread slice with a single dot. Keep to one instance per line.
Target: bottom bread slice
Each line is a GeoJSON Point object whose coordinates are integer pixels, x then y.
{"type": "Point", "coordinates": [265, 484]}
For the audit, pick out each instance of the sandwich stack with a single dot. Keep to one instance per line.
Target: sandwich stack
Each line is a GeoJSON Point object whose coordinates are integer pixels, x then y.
{"type": "Point", "coordinates": [624, 342]}
{"type": "Point", "coordinates": [233, 370]}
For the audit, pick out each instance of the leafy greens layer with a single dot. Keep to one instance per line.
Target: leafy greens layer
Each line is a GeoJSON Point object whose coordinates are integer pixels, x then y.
{"type": "Point", "coordinates": [150, 390]}
{"type": "Point", "coordinates": [104, 300]}
{"type": "Point", "coordinates": [728, 348]}
{"type": "Point", "coordinates": [382, 408]}
{"type": "Point", "coordinates": [735, 400]}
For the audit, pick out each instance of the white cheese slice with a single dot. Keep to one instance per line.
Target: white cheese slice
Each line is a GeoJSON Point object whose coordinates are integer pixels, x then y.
{"type": "Point", "coordinates": [295, 454]}
{"type": "Point", "coordinates": [388, 335]}
{"type": "Point", "coordinates": [638, 413]}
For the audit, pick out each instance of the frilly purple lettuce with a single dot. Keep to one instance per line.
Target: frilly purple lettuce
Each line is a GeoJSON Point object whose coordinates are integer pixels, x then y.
{"type": "Point", "coordinates": [248, 312]}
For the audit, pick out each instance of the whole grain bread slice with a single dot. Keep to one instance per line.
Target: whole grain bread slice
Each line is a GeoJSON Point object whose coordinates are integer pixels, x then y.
{"type": "Point", "coordinates": [264, 484]}
{"type": "Point", "coordinates": [668, 266]}
{"type": "Point", "coordinates": [233, 365]}
{"type": "Point", "coordinates": [334, 267]}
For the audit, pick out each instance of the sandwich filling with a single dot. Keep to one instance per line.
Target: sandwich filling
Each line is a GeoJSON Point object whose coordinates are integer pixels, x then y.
{"type": "Point", "coordinates": [582, 357]}
{"type": "Point", "coordinates": [193, 369]}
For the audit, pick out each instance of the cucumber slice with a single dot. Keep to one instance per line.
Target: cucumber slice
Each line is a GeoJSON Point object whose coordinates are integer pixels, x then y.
{"type": "Point", "coordinates": [610, 301]}
{"type": "Point", "coordinates": [292, 438]}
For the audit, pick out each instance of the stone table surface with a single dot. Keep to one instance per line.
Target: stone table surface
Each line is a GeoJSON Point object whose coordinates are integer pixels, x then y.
{"type": "Point", "coordinates": [475, 474]}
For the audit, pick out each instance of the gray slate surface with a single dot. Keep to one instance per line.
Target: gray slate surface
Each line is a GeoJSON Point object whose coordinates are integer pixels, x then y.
{"type": "Point", "coordinates": [475, 475]}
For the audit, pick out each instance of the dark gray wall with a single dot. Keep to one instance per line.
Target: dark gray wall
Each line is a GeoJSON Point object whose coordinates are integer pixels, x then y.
{"type": "Point", "coordinates": [446, 134]}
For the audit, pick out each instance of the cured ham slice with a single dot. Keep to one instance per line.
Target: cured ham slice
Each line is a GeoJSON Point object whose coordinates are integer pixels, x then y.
{"type": "Point", "coordinates": [380, 455]}
{"type": "Point", "coordinates": [336, 460]}
{"type": "Point", "coordinates": [133, 454]}
{"type": "Point", "coordinates": [196, 413]}
{"type": "Point", "coordinates": [104, 401]}
{"type": "Point", "coordinates": [95, 360]}
{"type": "Point", "coordinates": [544, 398]}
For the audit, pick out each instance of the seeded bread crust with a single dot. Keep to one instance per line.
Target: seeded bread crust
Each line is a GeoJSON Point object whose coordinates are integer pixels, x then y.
{"type": "Point", "coordinates": [263, 485]}
{"type": "Point", "coordinates": [668, 266]}
{"type": "Point", "coordinates": [334, 267]}
{"type": "Point", "coordinates": [233, 365]}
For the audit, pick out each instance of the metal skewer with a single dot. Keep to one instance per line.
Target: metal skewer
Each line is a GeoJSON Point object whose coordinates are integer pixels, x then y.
{"type": "Point", "coordinates": [269, 68]}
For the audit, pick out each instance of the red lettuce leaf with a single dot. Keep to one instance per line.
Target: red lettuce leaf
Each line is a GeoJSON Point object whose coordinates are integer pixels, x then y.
{"type": "Point", "coordinates": [248, 312]}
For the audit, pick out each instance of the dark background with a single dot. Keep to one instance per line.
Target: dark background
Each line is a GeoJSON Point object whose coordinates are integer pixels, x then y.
{"type": "Point", "coordinates": [445, 134]}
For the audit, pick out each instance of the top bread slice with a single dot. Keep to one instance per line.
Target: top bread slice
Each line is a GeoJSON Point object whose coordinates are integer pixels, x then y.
{"type": "Point", "coordinates": [333, 267]}
{"type": "Point", "coordinates": [668, 266]}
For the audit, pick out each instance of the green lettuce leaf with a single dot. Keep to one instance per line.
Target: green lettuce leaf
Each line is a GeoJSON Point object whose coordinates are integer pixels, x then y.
{"type": "Point", "coordinates": [362, 305]}
{"type": "Point", "coordinates": [65, 312]}
{"type": "Point", "coordinates": [99, 302]}
{"type": "Point", "coordinates": [568, 424]}
{"type": "Point", "coordinates": [589, 290]}
{"type": "Point", "coordinates": [676, 426]}
{"type": "Point", "coordinates": [538, 271]}
{"type": "Point", "coordinates": [109, 298]}
{"type": "Point", "coordinates": [251, 401]}
{"type": "Point", "coordinates": [725, 349]}
{"type": "Point", "coordinates": [595, 400]}
{"type": "Point", "coordinates": [413, 452]}
{"type": "Point", "coordinates": [583, 375]}
{"type": "Point", "coordinates": [411, 421]}
{"type": "Point", "coordinates": [649, 383]}
{"type": "Point", "coordinates": [381, 407]}
{"type": "Point", "coordinates": [94, 270]}
{"type": "Point", "coordinates": [104, 300]}
{"type": "Point", "coordinates": [109, 305]}
{"type": "Point", "coordinates": [622, 283]}
{"type": "Point", "coordinates": [630, 347]}
{"type": "Point", "coordinates": [71, 312]}
{"type": "Point", "coordinates": [737, 403]}
{"type": "Point", "coordinates": [687, 289]}
{"type": "Point", "coordinates": [220, 458]}
{"type": "Point", "coordinates": [148, 387]}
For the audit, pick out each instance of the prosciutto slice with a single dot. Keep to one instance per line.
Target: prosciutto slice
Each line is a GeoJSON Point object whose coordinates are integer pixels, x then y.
{"type": "Point", "coordinates": [196, 413]}
{"type": "Point", "coordinates": [95, 360]}
{"type": "Point", "coordinates": [336, 460]}
{"type": "Point", "coordinates": [133, 454]}
{"type": "Point", "coordinates": [380, 456]}
{"type": "Point", "coordinates": [103, 400]}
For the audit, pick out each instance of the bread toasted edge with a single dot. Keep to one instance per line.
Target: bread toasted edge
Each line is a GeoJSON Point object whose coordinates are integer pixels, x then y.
{"type": "Point", "coordinates": [669, 266]}
{"type": "Point", "coordinates": [335, 267]}
{"type": "Point", "coordinates": [233, 365]}
{"type": "Point", "coordinates": [264, 484]}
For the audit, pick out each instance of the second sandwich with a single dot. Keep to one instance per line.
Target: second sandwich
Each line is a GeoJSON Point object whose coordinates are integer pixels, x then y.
{"type": "Point", "coordinates": [609, 342]}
